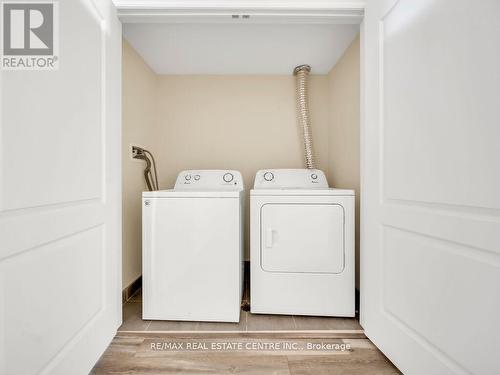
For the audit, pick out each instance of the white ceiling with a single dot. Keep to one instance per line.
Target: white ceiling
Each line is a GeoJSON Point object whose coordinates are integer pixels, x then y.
{"type": "Point", "coordinates": [234, 48]}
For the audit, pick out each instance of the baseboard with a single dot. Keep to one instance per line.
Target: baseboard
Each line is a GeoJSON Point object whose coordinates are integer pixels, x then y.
{"type": "Point", "coordinates": [129, 291]}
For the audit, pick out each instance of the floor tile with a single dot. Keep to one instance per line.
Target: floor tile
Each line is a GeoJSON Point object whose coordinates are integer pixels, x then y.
{"type": "Point", "coordinates": [223, 326]}
{"type": "Point", "coordinates": [132, 321]}
{"type": "Point", "coordinates": [170, 325]}
{"type": "Point", "coordinates": [263, 322]}
{"type": "Point", "coordinates": [325, 323]}
{"type": "Point", "coordinates": [132, 317]}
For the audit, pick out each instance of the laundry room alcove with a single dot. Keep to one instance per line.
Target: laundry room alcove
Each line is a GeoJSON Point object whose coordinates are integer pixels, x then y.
{"type": "Point", "coordinates": [217, 91]}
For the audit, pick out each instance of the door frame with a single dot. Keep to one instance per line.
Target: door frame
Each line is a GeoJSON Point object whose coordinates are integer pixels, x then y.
{"type": "Point", "coordinates": [280, 11]}
{"type": "Point", "coordinates": [227, 11]}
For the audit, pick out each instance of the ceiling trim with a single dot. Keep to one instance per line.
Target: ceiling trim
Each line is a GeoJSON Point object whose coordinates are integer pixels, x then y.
{"type": "Point", "coordinates": [229, 11]}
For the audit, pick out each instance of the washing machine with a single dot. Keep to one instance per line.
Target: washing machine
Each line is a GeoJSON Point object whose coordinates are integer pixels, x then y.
{"type": "Point", "coordinates": [193, 248]}
{"type": "Point", "coordinates": [301, 245]}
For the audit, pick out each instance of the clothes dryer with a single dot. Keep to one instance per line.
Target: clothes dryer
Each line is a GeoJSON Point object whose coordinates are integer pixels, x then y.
{"type": "Point", "coordinates": [301, 245]}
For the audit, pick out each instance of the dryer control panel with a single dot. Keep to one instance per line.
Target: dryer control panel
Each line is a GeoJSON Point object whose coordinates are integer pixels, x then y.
{"type": "Point", "coordinates": [206, 179]}
{"type": "Point", "coordinates": [290, 179]}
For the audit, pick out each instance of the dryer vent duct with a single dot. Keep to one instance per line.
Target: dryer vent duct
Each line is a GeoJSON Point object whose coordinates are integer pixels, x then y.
{"type": "Point", "coordinates": [301, 73]}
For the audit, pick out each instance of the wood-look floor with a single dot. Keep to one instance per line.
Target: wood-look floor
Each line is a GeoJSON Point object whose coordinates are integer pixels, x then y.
{"type": "Point", "coordinates": [134, 355]}
{"type": "Point", "coordinates": [134, 350]}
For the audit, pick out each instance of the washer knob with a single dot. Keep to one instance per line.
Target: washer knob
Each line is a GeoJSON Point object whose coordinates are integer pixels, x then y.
{"type": "Point", "coordinates": [268, 176]}
{"type": "Point", "coordinates": [197, 177]}
{"type": "Point", "coordinates": [314, 176]}
{"type": "Point", "coordinates": [228, 177]}
{"type": "Point", "coordinates": [187, 177]}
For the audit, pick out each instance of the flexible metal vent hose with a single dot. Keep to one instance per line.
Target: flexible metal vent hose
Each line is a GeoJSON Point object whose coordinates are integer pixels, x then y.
{"type": "Point", "coordinates": [302, 74]}
{"type": "Point", "coordinates": [151, 179]}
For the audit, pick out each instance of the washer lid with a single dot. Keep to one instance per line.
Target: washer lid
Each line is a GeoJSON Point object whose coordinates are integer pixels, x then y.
{"type": "Point", "coordinates": [174, 193]}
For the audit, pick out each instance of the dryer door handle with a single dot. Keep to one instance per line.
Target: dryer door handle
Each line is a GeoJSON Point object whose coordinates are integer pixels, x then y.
{"type": "Point", "coordinates": [269, 237]}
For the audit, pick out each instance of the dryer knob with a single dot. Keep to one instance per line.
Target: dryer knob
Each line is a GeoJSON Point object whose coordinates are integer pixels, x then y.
{"type": "Point", "coordinates": [228, 177]}
{"type": "Point", "coordinates": [268, 176]}
{"type": "Point", "coordinates": [187, 177]}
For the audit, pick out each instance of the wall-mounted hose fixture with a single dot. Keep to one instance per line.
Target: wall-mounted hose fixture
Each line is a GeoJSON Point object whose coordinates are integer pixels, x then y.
{"type": "Point", "coordinates": [143, 154]}
{"type": "Point", "coordinates": [302, 74]}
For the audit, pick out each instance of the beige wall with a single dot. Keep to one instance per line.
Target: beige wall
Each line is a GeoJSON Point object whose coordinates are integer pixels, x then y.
{"type": "Point", "coordinates": [241, 122]}
{"type": "Point", "coordinates": [245, 123]}
{"type": "Point", "coordinates": [233, 122]}
{"type": "Point", "coordinates": [139, 128]}
{"type": "Point", "coordinates": [343, 138]}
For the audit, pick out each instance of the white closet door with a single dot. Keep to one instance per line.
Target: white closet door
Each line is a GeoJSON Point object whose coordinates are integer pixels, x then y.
{"type": "Point", "coordinates": [430, 261]}
{"type": "Point", "coordinates": [60, 207]}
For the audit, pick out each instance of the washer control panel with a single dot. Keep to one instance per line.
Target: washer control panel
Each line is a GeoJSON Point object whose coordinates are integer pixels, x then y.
{"type": "Point", "coordinates": [209, 179]}
{"type": "Point", "coordinates": [290, 179]}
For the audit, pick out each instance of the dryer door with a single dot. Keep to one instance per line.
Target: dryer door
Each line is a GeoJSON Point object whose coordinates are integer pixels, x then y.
{"type": "Point", "coordinates": [302, 238]}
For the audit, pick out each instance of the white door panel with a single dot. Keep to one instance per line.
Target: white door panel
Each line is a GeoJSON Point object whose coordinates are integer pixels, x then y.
{"type": "Point", "coordinates": [44, 304]}
{"type": "Point", "coordinates": [440, 77]}
{"type": "Point", "coordinates": [430, 263]}
{"type": "Point", "coordinates": [52, 120]}
{"type": "Point", "coordinates": [60, 200]}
